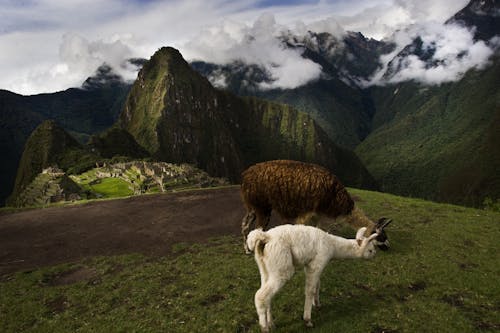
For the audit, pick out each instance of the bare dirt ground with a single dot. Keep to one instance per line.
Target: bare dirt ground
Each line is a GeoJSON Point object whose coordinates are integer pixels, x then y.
{"type": "Point", "coordinates": [148, 224]}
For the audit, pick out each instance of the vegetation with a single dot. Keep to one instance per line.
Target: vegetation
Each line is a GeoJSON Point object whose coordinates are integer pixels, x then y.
{"type": "Point", "coordinates": [440, 142]}
{"type": "Point", "coordinates": [438, 276]}
{"type": "Point", "coordinates": [110, 188]}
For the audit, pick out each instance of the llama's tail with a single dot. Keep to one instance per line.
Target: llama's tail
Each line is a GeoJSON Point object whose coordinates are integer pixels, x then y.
{"type": "Point", "coordinates": [256, 241]}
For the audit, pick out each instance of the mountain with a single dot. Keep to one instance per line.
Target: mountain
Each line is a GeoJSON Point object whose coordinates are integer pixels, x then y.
{"type": "Point", "coordinates": [431, 141]}
{"type": "Point", "coordinates": [178, 116]}
{"type": "Point", "coordinates": [482, 15]}
{"type": "Point", "coordinates": [351, 58]}
{"type": "Point", "coordinates": [80, 111]}
{"type": "Point", "coordinates": [116, 142]}
{"type": "Point", "coordinates": [438, 142]}
{"type": "Point", "coordinates": [335, 101]}
{"type": "Point", "coordinates": [17, 121]}
{"type": "Point", "coordinates": [49, 145]}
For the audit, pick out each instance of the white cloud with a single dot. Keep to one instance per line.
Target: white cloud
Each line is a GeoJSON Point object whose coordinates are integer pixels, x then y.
{"type": "Point", "coordinates": [258, 44]}
{"type": "Point", "coordinates": [453, 50]}
{"type": "Point", "coordinates": [35, 51]}
{"type": "Point", "coordinates": [31, 33]}
{"type": "Point", "coordinates": [77, 57]}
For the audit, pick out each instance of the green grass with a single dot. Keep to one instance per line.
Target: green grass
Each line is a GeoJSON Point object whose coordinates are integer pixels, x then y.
{"type": "Point", "coordinates": [440, 275]}
{"type": "Point", "coordinates": [112, 188]}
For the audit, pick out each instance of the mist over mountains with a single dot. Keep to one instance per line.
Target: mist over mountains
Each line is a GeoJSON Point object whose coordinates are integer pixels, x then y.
{"type": "Point", "coordinates": [430, 52]}
{"type": "Point", "coordinates": [419, 108]}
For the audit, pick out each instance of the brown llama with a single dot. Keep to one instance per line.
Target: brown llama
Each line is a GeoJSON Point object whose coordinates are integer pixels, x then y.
{"type": "Point", "coordinates": [301, 191]}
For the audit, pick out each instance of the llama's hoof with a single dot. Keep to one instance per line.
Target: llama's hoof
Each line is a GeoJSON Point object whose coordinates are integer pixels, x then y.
{"type": "Point", "coordinates": [309, 324]}
{"type": "Point", "coordinates": [264, 329]}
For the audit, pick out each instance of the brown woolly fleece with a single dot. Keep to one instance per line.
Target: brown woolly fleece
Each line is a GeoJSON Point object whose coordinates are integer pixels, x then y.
{"type": "Point", "coordinates": [293, 189]}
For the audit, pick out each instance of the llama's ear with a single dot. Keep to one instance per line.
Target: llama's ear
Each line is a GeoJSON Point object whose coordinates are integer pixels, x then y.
{"type": "Point", "coordinates": [366, 240]}
{"type": "Point", "coordinates": [360, 235]}
{"type": "Point", "coordinates": [382, 223]}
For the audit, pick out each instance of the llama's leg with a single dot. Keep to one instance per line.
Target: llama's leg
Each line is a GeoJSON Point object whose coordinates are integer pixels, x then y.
{"type": "Point", "coordinates": [264, 276]}
{"type": "Point", "coordinates": [312, 285]}
{"type": "Point", "coordinates": [263, 298]}
{"type": "Point", "coordinates": [263, 218]}
{"type": "Point", "coordinates": [276, 275]}
{"type": "Point", "coordinates": [246, 224]}
{"type": "Point", "coordinates": [316, 302]}
{"type": "Point", "coordinates": [309, 218]}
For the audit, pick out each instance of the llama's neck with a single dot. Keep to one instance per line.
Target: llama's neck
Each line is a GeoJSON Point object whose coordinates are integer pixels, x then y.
{"type": "Point", "coordinates": [358, 219]}
{"type": "Point", "coordinates": [342, 248]}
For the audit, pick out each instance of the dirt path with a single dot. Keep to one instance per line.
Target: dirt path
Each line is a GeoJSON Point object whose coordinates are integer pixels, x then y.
{"type": "Point", "coordinates": [147, 224]}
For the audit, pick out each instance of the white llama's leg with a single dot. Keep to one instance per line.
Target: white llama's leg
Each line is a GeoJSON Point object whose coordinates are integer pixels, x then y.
{"type": "Point", "coordinates": [312, 281]}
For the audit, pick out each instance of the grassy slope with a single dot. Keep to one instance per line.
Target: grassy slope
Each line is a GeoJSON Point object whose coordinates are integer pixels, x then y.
{"type": "Point", "coordinates": [295, 135]}
{"type": "Point", "coordinates": [336, 107]}
{"type": "Point", "coordinates": [112, 188]}
{"type": "Point", "coordinates": [437, 277]}
{"type": "Point", "coordinates": [437, 143]}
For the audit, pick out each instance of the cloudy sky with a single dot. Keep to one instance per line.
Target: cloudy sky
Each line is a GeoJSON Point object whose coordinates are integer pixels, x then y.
{"type": "Point", "coordinates": [50, 45]}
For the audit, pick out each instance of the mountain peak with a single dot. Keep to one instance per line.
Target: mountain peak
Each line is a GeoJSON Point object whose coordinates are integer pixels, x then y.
{"type": "Point", "coordinates": [166, 84]}
{"type": "Point", "coordinates": [484, 15]}
{"type": "Point", "coordinates": [168, 51]}
{"type": "Point", "coordinates": [168, 64]}
{"type": "Point", "coordinates": [178, 116]}
{"type": "Point", "coordinates": [167, 57]}
{"type": "Point", "coordinates": [43, 149]}
{"type": "Point", "coordinates": [104, 76]}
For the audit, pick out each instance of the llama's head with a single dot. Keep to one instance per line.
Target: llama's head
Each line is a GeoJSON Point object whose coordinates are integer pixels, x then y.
{"type": "Point", "coordinates": [381, 240]}
{"type": "Point", "coordinates": [366, 244]}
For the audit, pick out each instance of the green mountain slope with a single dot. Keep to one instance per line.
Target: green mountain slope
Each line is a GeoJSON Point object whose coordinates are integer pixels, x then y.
{"type": "Point", "coordinates": [17, 121]}
{"type": "Point", "coordinates": [342, 111]}
{"type": "Point", "coordinates": [116, 142]}
{"type": "Point", "coordinates": [49, 146]}
{"type": "Point", "coordinates": [438, 142]}
{"type": "Point", "coordinates": [81, 112]}
{"type": "Point", "coordinates": [178, 116]}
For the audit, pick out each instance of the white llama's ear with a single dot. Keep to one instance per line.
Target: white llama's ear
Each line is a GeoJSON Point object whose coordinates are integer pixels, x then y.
{"type": "Point", "coordinates": [367, 240]}
{"type": "Point", "coordinates": [360, 235]}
